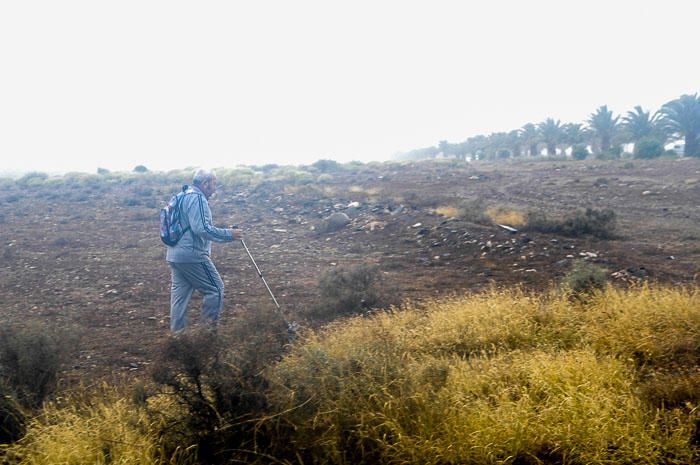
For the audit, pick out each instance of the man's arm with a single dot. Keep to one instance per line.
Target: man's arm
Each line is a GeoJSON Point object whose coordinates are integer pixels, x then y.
{"type": "Point", "coordinates": [199, 217]}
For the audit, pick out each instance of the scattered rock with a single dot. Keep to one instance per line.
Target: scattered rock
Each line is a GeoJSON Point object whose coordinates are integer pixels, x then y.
{"type": "Point", "coordinates": [334, 222]}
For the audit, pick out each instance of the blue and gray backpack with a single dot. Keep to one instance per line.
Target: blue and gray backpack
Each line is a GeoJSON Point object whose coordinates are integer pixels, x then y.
{"type": "Point", "coordinates": [171, 230]}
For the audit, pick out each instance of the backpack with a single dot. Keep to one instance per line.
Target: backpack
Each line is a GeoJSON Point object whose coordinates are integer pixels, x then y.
{"type": "Point", "coordinates": [171, 230]}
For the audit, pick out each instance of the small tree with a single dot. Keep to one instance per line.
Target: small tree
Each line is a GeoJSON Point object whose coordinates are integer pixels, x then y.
{"type": "Point", "coordinates": [648, 148]}
{"type": "Point", "coordinates": [579, 152]}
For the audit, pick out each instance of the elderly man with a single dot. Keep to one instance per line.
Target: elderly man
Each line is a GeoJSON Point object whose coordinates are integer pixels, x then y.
{"type": "Point", "coordinates": [190, 259]}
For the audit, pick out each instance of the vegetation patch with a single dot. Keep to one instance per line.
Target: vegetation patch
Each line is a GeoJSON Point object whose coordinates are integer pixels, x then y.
{"type": "Point", "coordinates": [351, 290]}
{"type": "Point", "coordinates": [505, 215]}
{"type": "Point", "coordinates": [31, 357]}
{"type": "Point", "coordinates": [589, 222]}
{"type": "Point", "coordinates": [585, 277]}
{"type": "Point", "coordinates": [502, 377]}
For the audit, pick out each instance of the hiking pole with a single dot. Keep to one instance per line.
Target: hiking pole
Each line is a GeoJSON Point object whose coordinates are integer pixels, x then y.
{"type": "Point", "coordinates": [291, 327]}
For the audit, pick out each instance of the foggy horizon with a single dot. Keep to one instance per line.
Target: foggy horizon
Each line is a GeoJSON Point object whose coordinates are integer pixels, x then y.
{"type": "Point", "coordinates": [168, 85]}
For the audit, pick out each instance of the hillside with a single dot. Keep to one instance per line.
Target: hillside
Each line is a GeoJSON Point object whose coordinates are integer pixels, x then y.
{"type": "Point", "coordinates": [83, 251]}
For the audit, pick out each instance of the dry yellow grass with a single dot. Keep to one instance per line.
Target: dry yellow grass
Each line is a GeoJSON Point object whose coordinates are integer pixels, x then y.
{"type": "Point", "coordinates": [448, 211]}
{"type": "Point", "coordinates": [97, 428]}
{"type": "Point", "coordinates": [496, 378]}
{"type": "Point", "coordinates": [499, 377]}
{"type": "Point", "coordinates": [506, 215]}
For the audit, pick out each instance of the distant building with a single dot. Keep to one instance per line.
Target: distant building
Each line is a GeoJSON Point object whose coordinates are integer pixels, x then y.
{"type": "Point", "coordinates": [677, 146]}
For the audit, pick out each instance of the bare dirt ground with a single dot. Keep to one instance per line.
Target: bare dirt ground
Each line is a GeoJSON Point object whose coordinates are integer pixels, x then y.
{"type": "Point", "coordinates": [89, 257]}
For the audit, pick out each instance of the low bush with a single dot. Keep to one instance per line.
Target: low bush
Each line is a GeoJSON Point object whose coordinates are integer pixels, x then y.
{"type": "Point", "coordinates": [613, 153]}
{"type": "Point", "coordinates": [351, 290]}
{"type": "Point", "coordinates": [217, 380]}
{"type": "Point", "coordinates": [585, 277]}
{"type": "Point", "coordinates": [474, 210]}
{"type": "Point", "coordinates": [12, 417]}
{"type": "Point", "coordinates": [30, 360]}
{"type": "Point", "coordinates": [579, 152]}
{"type": "Point", "coordinates": [32, 179]}
{"type": "Point", "coordinates": [327, 166]}
{"type": "Point", "coordinates": [591, 222]}
{"type": "Point", "coordinates": [647, 149]}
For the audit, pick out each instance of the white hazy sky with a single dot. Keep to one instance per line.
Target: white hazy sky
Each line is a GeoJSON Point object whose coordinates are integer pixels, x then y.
{"type": "Point", "coordinates": [170, 84]}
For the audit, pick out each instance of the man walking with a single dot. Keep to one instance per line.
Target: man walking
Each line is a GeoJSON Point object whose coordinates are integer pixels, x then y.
{"type": "Point", "coordinates": [190, 259]}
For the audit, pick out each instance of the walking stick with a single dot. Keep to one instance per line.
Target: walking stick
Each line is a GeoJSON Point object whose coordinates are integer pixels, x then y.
{"type": "Point", "coordinates": [291, 326]}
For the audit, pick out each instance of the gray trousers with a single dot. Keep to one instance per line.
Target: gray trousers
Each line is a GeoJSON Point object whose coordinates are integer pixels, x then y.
{"type": "Point", "coordinates": [186, 277]}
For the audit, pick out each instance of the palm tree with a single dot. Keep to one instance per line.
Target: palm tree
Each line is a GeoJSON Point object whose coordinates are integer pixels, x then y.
{"type": "Point", "coordinates": [551, 132]}
{"type": "Point", "coordinates": [515, 142]}
{"type": "Point", "coordinates": [682, 117]}
{"type": "Point", "coordinates": [639, 124]}
{"type": "Point", "coordinates": [475, 147]}
{"type": "Point", "coordinates": [604, 126]}
{"type": "Point", "coordinates": [574, 133]}
{"type": "Point", "coordinates": [495, 142]}
{"type": "Point", "coordinates": [530, 136]}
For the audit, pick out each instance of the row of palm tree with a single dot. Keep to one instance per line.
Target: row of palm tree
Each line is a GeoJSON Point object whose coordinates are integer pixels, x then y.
{"type": "Point", "coordinates": [603, 132]}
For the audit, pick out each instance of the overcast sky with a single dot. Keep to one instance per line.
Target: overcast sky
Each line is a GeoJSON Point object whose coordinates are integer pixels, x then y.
{"type": "Point", "coordinates": [170, 84]}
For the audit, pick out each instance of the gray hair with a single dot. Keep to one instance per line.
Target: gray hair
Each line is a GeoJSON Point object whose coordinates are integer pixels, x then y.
{"type": "Point", "coordinates": [202, 175]}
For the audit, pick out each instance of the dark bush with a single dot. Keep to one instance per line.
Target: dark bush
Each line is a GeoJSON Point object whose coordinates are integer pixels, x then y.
{"type": "Point", "coordinates": [140, 169]}
{"type": "Point", "coordinates": [102, 171]}
{"type": "Point", "coordinates": [647, 149]}
{"type": "Point", "coordinates": [12, 418]}
{"type": "Point", "coordinates": [613, 153]}
{"type": "Point", "coordinates": [218, 380]}
{"type": "Point", "coordinates": [326, 166]}
{"type": "Point", "coordinates": [352, 290]}
{"type": "Point", "coordinates": [674, 389]}
{"type": "Point", "coordinates": [579, 152]}
{"type": "Point", "coordinates": [591, 222]}
{"type": "Point", "coordinates": [30, 360]}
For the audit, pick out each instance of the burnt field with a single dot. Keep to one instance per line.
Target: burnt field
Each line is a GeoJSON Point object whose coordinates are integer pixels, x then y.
{"type": "Point", "coordinates": [83, 252]}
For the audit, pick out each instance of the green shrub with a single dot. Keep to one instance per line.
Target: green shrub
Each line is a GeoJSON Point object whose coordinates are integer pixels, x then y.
{"type": "Point", "coordinates": [32, 179]}
{"type": "Point", "coordinates": [585, 277]}
{"type": "Point", "coordinates": [591, 222]}
{"type": "Point", "coordinates": [326, 166]}
{"type": "Point", "coordinates": [579, 152]}
{"type": "Point", "coordinates": [647, 149]}
{"type": "Point", "coordinates": [613, 153]}
{"type": "Point", "coordinates": [351, 290]}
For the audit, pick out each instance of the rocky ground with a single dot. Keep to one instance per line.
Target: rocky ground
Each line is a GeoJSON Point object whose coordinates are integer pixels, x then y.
{"type": "Point", "coordinates": [89, 257]}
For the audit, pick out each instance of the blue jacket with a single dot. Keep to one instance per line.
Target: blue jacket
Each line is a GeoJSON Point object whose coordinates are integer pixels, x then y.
{"type": "Point", "coordinates": [195, 245]}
